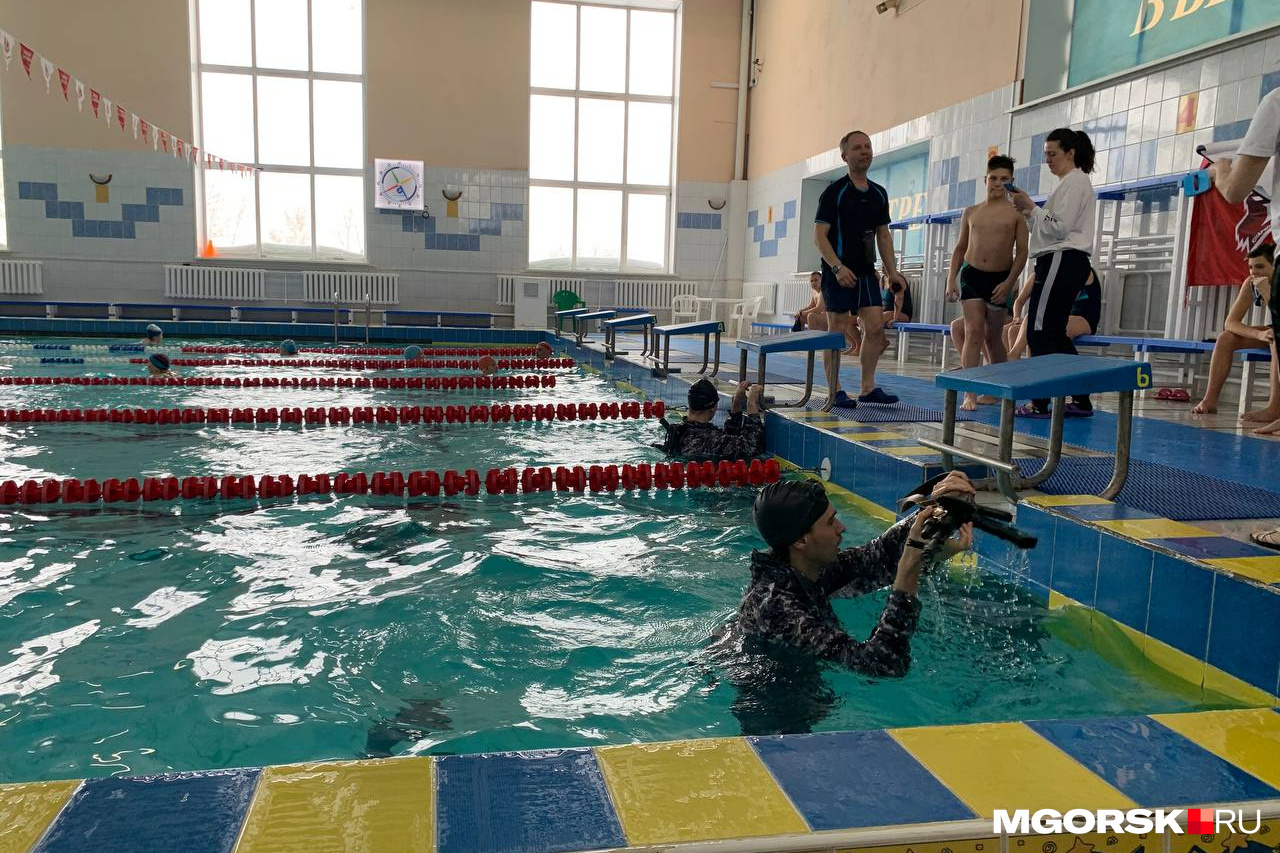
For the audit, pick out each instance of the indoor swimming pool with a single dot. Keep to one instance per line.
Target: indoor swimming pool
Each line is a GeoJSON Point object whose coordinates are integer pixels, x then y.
{"type": "Point", "coordinates": [138, 638]}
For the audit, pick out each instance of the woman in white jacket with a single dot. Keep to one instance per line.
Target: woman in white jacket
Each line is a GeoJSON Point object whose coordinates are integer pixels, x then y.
{"type": "Point", "coordinates": [1061, 235]}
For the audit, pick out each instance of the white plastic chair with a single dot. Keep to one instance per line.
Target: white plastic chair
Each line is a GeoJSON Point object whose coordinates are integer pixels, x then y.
{"type": "Point", "coordinates": [684, 308]}
{"type": "Point", "coordinates": [744, 313]}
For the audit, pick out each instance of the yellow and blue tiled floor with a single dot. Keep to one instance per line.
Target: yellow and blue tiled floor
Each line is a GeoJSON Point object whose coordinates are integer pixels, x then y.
{"type": "Point", "coordinates": [799, 788]}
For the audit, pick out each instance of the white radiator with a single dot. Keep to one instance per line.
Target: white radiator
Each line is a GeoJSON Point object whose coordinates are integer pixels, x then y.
{"type": "Point", "coordinates": [650, 294]}
{"type": "Point", "coordinates": [205, 282]}
{"type": "Point", "coordinates": [766, 290]}
{"type": "Point", "coordinates": [507, 286]}
{"type": "Point", "coordinates": [792, 296]}
{"type": "Point", "coordinates": [321, 285]}
{"type": "Point", "coordinates": [21, 277]}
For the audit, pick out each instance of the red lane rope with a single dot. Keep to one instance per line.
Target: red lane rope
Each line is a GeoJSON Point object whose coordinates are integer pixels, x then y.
{"type": "Point", "coordinates": [319, 415]}
{"type": "Point", "coordinates": [363, 364]}
{"type": "Point", "coordinates": [425, 383]}
{"type": "Point", "coordinates": [431, 352]}
{"type": "Point", "coordinates": [577, 479]}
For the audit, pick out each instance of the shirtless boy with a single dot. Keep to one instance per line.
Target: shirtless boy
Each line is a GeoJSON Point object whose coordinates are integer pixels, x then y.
{"type": "Point", "coordinates": [985, 266]}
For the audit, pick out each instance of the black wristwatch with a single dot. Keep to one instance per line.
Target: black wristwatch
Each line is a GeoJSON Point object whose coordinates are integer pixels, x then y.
{"type": "Point", "coordinates": [835, 269]}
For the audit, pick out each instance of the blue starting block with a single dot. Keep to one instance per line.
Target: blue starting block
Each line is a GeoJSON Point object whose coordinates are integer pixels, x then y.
{"type": "Point", "coordinates": [706, 328]}
{"type": "Point", "coordinates": [1053, 376]}
{"type": "Point", "coordinates": [568, 314]}
{"type": "Point", "coordinates": [581, 322]}
{"type": "Point", "coordinates": [644, 322]}
{"type": "Point", "coordinates": [806, 342]}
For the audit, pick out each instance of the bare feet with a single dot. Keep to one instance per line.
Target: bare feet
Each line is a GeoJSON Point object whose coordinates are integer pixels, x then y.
{"type": "Point", "coordinates": [1261, 416]}
{"type": "Point", "coordinates": [1272, 428]}
{"type": "Point", "coordinates": [849, 351]}
{"type": "Point", "coordinates": [988, 400]}
{"type": "Point", "coordinates": [1206, 408]}
{"type": "Point", "coordinates": [970, 403]}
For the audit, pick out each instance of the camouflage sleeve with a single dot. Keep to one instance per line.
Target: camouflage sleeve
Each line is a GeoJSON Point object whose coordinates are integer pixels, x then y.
{"type": "Point", "coordinates": [746, 443]}
{"type": "Point", "coordinates": [868, 567]}
{"type": "Point", "coordinates": [887, 652]}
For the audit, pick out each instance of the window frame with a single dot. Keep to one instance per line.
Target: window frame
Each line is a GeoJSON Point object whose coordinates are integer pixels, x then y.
{"type": "Point", "coordinates": [253, 71]}
{"type": "Point", "coordinates": [578, 94]}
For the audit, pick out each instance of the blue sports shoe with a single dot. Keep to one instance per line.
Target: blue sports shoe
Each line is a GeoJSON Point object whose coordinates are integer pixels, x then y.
{"type": "Point", "coordinates": [878, 395]}
{"type": "Point", "coordinates": [844, 401]}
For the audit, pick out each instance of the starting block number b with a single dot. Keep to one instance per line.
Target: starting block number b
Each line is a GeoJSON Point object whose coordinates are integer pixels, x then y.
{"type": "Point", "coordinates": [1144, 376]}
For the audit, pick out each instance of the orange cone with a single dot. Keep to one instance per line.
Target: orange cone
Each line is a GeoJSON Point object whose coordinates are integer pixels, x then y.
{"type": "Point", "coordinates": [209, 251]}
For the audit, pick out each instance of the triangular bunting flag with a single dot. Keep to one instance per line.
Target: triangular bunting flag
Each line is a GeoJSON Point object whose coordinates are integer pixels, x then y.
{"type": "Point", "coordinates": [47, 68]}
{"type": "Point", "coordinates": [79, 96]}
{"type": "Point", "coordinates": [65, 80]}
{"type": "Point", "coordinates": [27, 55]}
{"type": "Point", "coordinates": [95, 102]}
{"type": "Point", "coordinates": [6, 46]}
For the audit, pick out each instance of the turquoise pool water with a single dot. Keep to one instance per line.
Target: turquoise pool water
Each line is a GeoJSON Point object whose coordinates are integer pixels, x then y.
{"type": "Point", "coordinates": [197, 635]}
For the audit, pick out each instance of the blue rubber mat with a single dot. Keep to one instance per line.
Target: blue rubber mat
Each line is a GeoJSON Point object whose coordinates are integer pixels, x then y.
{"type": "Point", "coordinates": [870, 413]}
{"type": "Point", "coordinates": [1159, 489]}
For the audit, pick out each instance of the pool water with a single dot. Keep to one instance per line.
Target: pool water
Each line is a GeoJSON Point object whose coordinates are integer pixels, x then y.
{"type": "Point", "coordinates": [199, 635]}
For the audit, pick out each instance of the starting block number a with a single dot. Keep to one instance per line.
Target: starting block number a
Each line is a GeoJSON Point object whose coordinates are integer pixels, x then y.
{"type": "Point", "coordinates": [1144, 376]}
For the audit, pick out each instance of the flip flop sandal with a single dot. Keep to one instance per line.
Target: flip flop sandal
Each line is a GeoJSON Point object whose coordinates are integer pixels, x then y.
{"type": "Point", "coordinates": [1179, 395]}
{"type": "Point", "coordinates": [1031, 412]}
{"type": "Point", "coordinates": [1266, 538]}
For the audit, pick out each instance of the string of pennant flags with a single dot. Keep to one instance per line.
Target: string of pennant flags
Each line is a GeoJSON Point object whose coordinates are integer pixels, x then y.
{"type": "Point", "coordinates": [160, 140]}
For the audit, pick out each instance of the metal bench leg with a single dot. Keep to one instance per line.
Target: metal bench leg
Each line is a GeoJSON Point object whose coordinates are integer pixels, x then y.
{"type": "Point", "coordinates": [1007, 483]}
{"type": "Point", "coordinates": [946, 353]}
{"type": "Point", "coordinates": [904, 344]}
{"type": "Point", "coordinates": [610, 334]}
{"type": "Point", "coordinates": [808, 382]}
{"type": "Point", "coordinates": [759, 371]}
{"type": "Point", "coordinates": [949, 427]}
{"type": "Point", "coordinates": [716, 368]}
{"type": "Point", "coordinates": [742, 365]}
{"type": "Point", "coordinates": [1124, 431]}
{"type": "Point", "coordinates": [666, 356]}
{"type": "Point", "coordinates": [706, 352]}
{"type": "Point", "coordinates": [1055, 446]}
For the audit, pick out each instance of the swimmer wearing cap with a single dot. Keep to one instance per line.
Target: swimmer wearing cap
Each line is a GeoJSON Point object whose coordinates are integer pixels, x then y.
{"type": "Point", "coordinates": [696, 437]}
{"type": "Point", "coordinates": [289, 347]}
{"type": "Point", "coordinates": [158, 364]}
{"type": "Point", "coordinates": [412, 352]}
{"type": "Point", "coordinates": [154, 334]}
{"type": "Point", "coordinates": [788, 601]}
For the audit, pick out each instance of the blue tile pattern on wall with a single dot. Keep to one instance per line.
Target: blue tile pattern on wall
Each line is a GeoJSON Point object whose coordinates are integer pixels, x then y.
{"type": "Point", "coordinates": [1270, 80]}
{"type": "Point", "coordinates": [705, 221]}
{"type": "Point", "coordinates": [1227, 132]}
{"type": "Point", "coordinates": [769, 249]}
{"type": "Point", "coordinates": [81, 227]}
{"type": "Point", "coordinates": [753, 219]}
{"type": "Point", "coordinates": [780, 229]}
{"type": "Point", "coordinates": [757, 233]}
{"type": "Point", "coordinates": [789, 209]}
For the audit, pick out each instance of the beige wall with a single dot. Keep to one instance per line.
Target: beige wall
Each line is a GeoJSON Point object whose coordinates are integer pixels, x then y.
{"type": "Point", "coordinates": [831, 66]}
{"type": "Point", "coordinates": [138, 58]}
{"type": "Point", "coordinates": [458, 98]}
{"type": "Point", "coordinates": [708, 116]}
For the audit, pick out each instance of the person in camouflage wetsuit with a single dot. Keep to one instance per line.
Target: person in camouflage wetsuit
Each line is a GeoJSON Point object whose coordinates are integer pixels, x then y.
{"type": "Point", "coordinates": [788, 601]}
{"type": "Point", "coordinates": [697, 438]}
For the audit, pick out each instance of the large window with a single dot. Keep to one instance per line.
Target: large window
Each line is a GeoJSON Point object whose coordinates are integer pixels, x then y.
{"type": "Point", "coordinates": [280, 84]}
{"type": "Point", "coordinates": [601, 131]}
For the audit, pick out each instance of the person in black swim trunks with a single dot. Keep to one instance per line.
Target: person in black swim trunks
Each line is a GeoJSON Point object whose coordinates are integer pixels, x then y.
{"type": "Point", "coordinates": [985, 266]}
{"type": "Point", "coordinates": [1086, 314]}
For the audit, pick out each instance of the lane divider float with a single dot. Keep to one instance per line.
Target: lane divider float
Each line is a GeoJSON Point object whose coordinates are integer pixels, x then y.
{"type": "Point", "coordinates": [333, 415]}
{"type": "Point", "coordinates": [414, 383]}
{"type": "Point", "coordinates": [577, 479]}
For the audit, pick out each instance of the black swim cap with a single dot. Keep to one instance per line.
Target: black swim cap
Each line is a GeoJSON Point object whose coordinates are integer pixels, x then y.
{"type": "Point", "coordinates": [785, 511]}
{"type": "Point", "coordinates": [703, 395]}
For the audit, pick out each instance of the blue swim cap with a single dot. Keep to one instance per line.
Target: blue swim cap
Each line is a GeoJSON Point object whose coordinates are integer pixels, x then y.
{"type": "Point", "coordinates": [289, 346]}
{"type": "Point", "coordinates": [412, 352]}
{"type": "Point", "coordinates": [159, 360]}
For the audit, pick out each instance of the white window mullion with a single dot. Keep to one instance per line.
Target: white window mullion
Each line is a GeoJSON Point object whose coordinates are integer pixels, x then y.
{"type": "Point", "coordinates": [626, 119]}
{"type": "Point", "coordinates": [257, 175]}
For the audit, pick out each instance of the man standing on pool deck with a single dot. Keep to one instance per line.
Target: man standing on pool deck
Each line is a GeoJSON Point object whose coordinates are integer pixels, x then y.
{"type": "Point", "coordinates": [854, 212]}
{"type": "Point", "coordinates": [986, 263]}
{"type": "Point", "coordinates": [792, 583]}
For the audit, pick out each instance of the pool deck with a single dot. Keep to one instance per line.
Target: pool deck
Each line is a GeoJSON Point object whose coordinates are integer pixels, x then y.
{"type": "Point", "coordinates": [1192, 597]}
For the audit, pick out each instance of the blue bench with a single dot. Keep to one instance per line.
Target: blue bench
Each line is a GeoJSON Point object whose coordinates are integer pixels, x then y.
{"type": "Point", "coordinates": [23, 308]}
{"type": "Point", "coordinates": [169, 311]}
{"type": "Point", "coordinates": [706, 328]}
{"type": "Point", "coordinates": [807, 342]}
{"type": "Point", "coordinates": [81, 310]}
{"type": "Point", "coordinates": [457, 319]}
{"type": "Point", "coordinates": [1053, 376]}
{"type": "Point", "coordinates": [904, 338]}
{"type": "Point", "coordinates": [582, 322]}
{"type": "Point", "coordinates": [644, 322]}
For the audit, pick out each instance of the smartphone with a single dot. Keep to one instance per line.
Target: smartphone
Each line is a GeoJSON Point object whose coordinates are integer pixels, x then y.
{"type": "Point", "coordinates": [1010, 188]}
